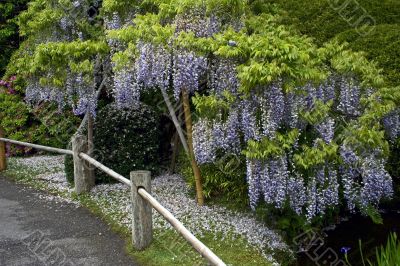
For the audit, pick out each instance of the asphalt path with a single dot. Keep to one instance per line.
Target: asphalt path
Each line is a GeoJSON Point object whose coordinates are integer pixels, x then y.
{"type": "Point", "coordinates": [36, 231]}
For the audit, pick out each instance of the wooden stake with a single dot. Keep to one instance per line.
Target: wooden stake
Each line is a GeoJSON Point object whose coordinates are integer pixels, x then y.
{"type": "Point", "coordinates": [3, 158]}
{"type": "Point", "coordinates": [142, 223]}
{"type": "Point", "coordinates": [82, 179]}
{"type": "Point", "coordinates": [189, 131]}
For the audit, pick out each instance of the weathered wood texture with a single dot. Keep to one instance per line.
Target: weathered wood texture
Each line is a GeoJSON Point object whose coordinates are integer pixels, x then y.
{"type": "Point", "coordinates": [142, 224]}
{"type": "Point", "coordinates": [82, 178]}
{"type": "Point", "coordinates": [3, 158]}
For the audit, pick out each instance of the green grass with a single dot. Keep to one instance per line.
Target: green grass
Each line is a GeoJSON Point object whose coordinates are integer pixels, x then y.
{"type": "Point", "coordinates": [390, 254]}
{"type": "Point", "coordinates": [168, 247]}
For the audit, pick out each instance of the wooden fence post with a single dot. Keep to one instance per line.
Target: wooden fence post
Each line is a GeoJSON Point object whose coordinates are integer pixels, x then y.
{"type": "Point", "coordinates": [3, 158]}
{"type": "Point", "coordinates": [142, 223]}
{"type": "Point", "coordinates": [82, 178]}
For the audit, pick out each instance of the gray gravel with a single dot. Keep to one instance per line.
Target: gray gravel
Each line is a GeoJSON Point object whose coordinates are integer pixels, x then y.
{"type": "Point", "coordinates": [35, 231]}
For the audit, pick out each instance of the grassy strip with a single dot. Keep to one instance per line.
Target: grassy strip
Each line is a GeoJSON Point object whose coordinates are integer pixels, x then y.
{"type": "Point", "coordinates": [168, 247]}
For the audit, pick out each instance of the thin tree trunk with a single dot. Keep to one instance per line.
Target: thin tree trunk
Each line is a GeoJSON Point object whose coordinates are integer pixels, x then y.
{"type": "Point", "coordinates": [189, 131]}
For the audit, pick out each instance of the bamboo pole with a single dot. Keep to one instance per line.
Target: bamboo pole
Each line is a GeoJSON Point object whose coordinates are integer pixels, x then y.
{"type": "Point", "coordinates": [39, 147]}
{"type": "Point", "coordinates": [175, 120]}
{"type": "Point", "coordinates": [189, 131]}
{"type": "Point", "coordinates": [3, 158]}
{"type": "Point", "coordinates": [105, 169]}
{"type": "Point", "coordinates": [197, 244]}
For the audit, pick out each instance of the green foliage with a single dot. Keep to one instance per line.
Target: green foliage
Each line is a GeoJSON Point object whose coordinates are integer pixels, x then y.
{"type": "Point", "coordinates": [318, 113]}
{"type": "Point", "coordinates": [316, 155]}
{"type": "Point", "coordinates": [285, 220]}
{"type": "Point", "coordinates": [374, 214]}
{"type": "Point", "coordinates": [210, 105]}
{"type": "Point", "coordinates": [267, 148]}
{"type": "Point", "coordinates": [48, 52]}
{"type": "Point", "coordinates": [224, 180]}
{"type": "Point", "coordinates": [317, 18]}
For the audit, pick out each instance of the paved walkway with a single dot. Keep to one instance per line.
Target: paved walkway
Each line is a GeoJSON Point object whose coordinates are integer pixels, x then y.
{"type": "Point", "coordinates": [35, 231]}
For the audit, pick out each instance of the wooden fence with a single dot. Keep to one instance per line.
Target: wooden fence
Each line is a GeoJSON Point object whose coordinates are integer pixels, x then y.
{"type": "Point", "coordinates": [140, 184]}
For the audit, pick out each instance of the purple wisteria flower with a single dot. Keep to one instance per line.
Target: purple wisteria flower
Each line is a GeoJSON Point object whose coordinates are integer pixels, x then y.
{"type": "Point", "coordinates": [188, 68]}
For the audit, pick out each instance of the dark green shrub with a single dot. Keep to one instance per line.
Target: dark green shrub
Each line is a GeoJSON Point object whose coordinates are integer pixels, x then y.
{"type": "Point", "coordinates": [382, 45]}
{"type": "Point", "coordinates": [319, 20]}
{"type": "Point", "coordinates": [124, 140]}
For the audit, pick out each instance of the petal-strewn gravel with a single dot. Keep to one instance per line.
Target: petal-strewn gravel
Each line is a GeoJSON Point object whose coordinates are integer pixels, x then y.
{"type": "Point", "coordinates": [173, 194]}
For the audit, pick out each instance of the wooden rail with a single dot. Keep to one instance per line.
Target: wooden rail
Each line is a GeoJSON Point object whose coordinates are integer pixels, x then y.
{"type": "Point", "coordinates": [142, 225]}
{"type": "Point", "coordinates": [39, 147]}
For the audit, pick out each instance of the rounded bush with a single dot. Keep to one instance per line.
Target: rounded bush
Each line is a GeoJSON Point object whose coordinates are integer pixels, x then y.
{"type": "Point", "coordinates": [125, 140]}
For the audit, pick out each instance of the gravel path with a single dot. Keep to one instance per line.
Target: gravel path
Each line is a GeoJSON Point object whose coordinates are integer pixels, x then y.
{"type": "Point", "coordinates": [35, 231]}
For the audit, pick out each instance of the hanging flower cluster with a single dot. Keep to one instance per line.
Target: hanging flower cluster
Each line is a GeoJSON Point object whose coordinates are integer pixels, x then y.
{"type": "Point", "coordinates": [391, 122]}
{"type": "Point", "coordinates": [210, 137]}
{"type": "Point", "coordinates": [365, 180]}
{"type": "Point", "coordinates": [188, 69]}
{"type": "Point", "coordinates": [223, 76]}
{"type": "Point", "coordinates": [79, 94]}
{"type": "Point", "coordinates": [35, 94]}
{"type": "Point", "coordinates": [276, 179]}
